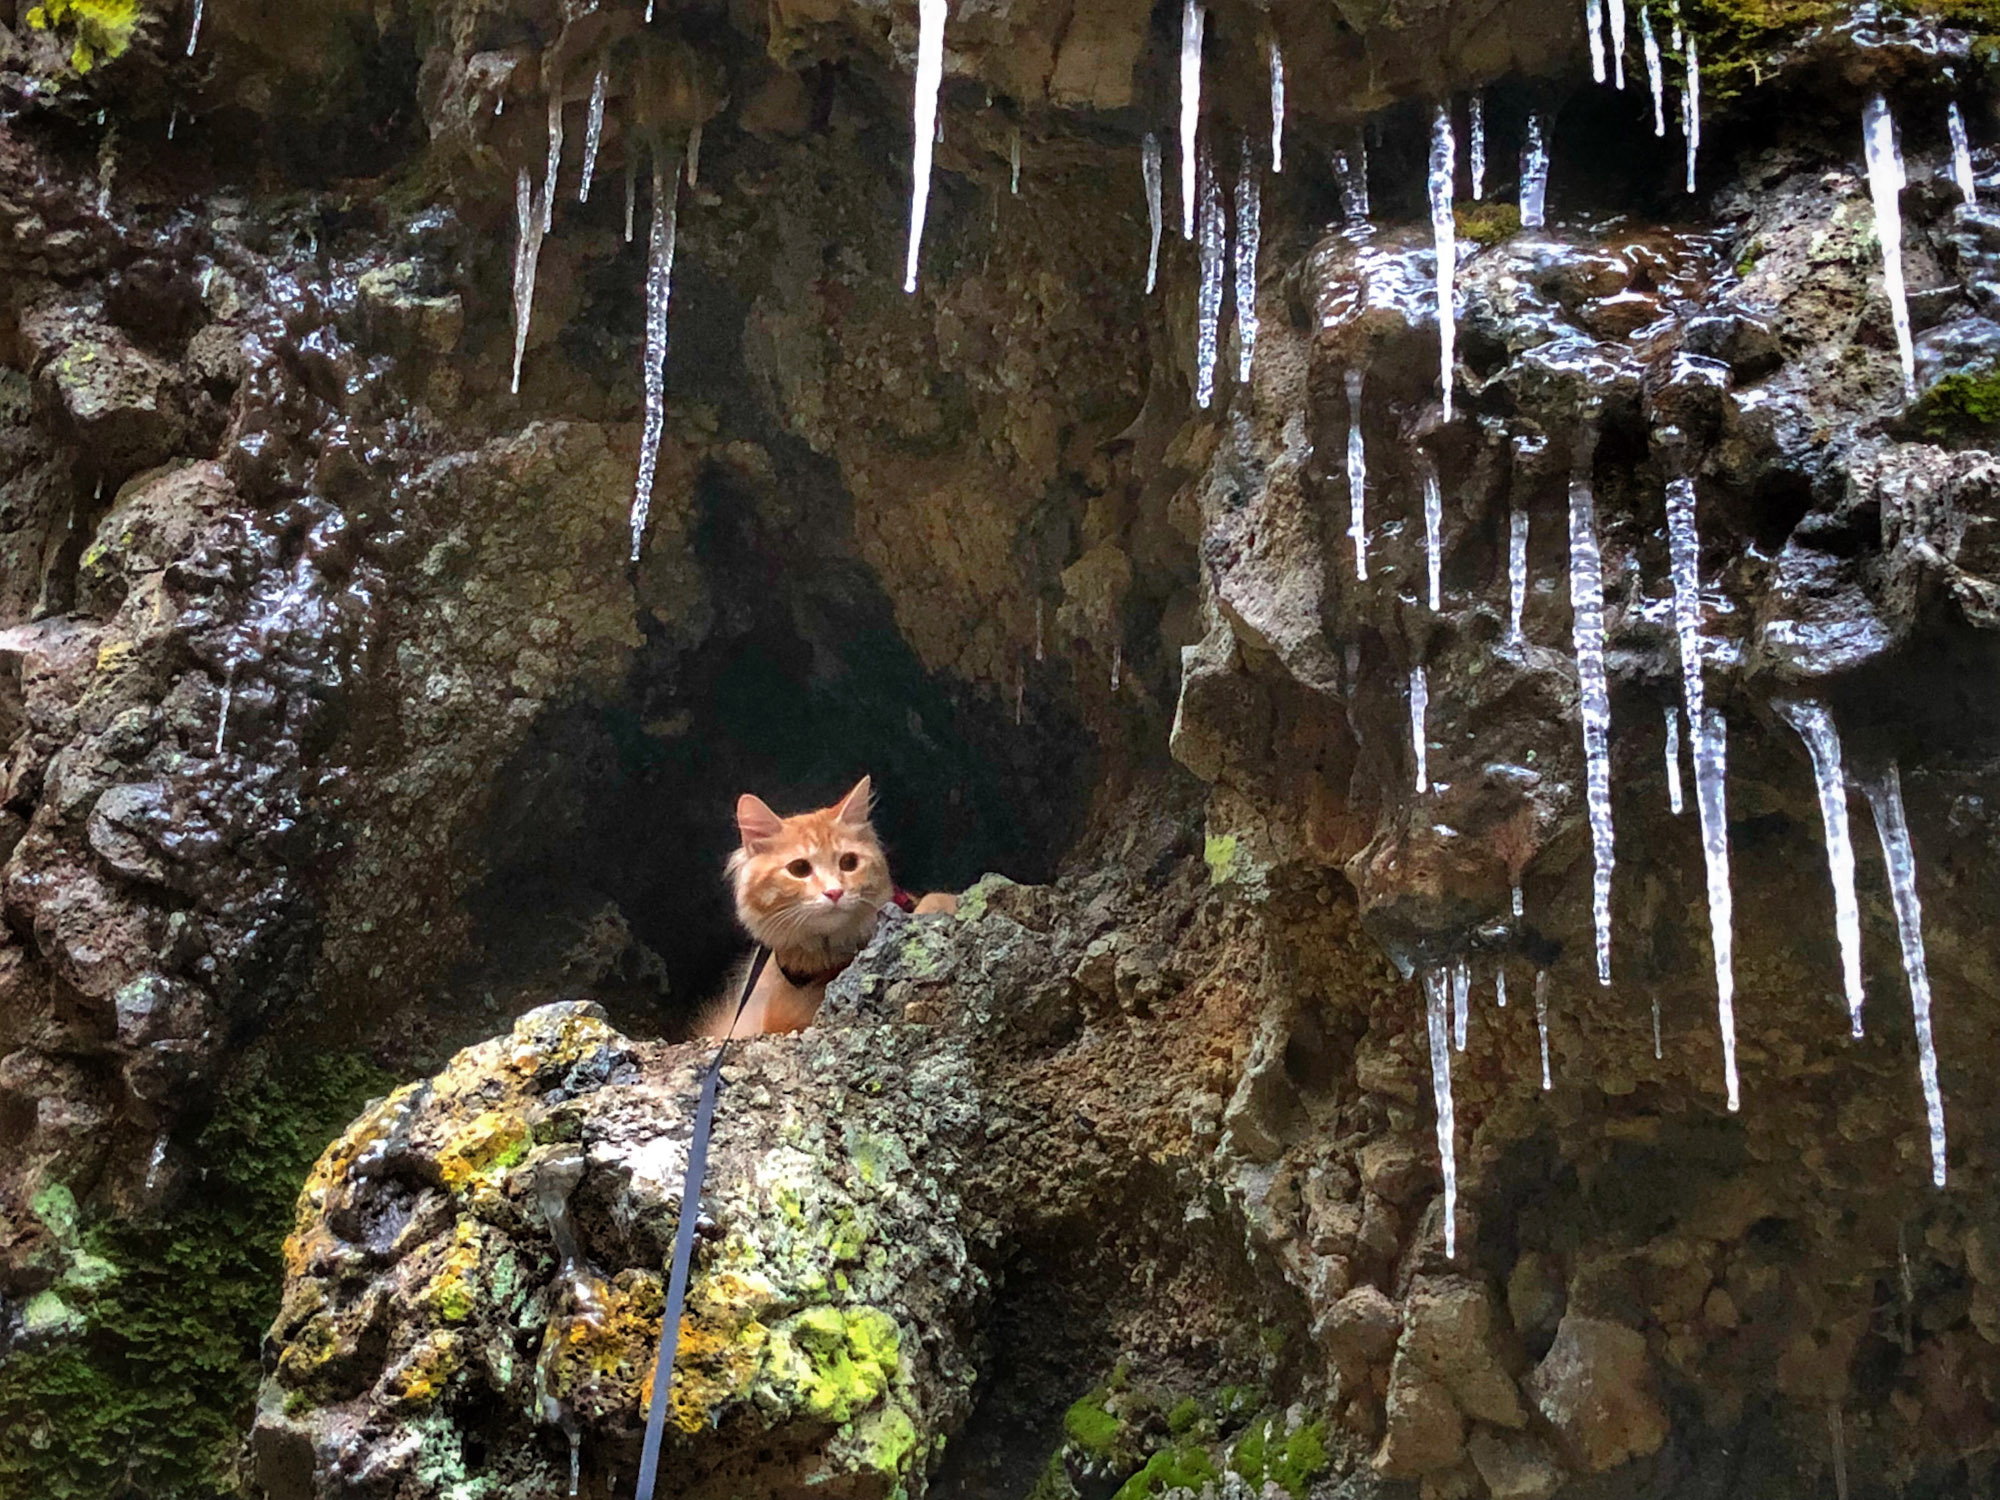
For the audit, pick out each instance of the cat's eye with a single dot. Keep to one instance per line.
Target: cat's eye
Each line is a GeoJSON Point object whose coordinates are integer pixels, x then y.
{"type": "Point", "coordinates": [799, 868]}
{"type": "Point", "coordinates": [850, 861]}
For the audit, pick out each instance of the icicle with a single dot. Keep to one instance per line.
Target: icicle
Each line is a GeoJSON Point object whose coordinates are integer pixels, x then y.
{"type": "Point", "coordinates": [1542, 1023]}
{"type": "Point", "coordinates": [930, 78]}
{"type": "Point", "coordinates": [1149, 172]}
{"type": "Point", "coordinates": [1433, 521]}
{"type": "Point", "coordinates": [1656, 1026]}
{"type": "Point", "coordinates": [1517, 569]}
{"type": "Point", "coordinates": [1434, 1023]}
{"type": "Point", "coordinates": [1039, 607]}
{"type": "Point", "coordinates": [173, 119]}
{"type": "Point", "coordinates": [1249, 233]}
{"type": "Point", "coordinates": [194, 28]}
{"type": "Point", "coordinates": [1500, 986]}
{"type": "Point", "coordinates": [1586, 594]}
{"type": "Point", "coordinates": [1117, 664]}
{"type": "Point", "coordinates": [1839, 1440]}
{"type": "Point", "coordinates": [1815, 726]}
{"type": "Point", "coordinates": [659, 287]}
{"type": "Point", "coordinates": [1655, 74]}
{"type": "Point", "coordinates": [1350, 167]}
{"type": "Point", "coordinates": [575, 1457]}
{"type": "Point", "coordinates": [1691, 108]}
{"type": "Point", "coordinates": [694, 157]}
{"type": "Point", "coordinates": [222, 719]}
{"type": "Point", "coordinates": [1885, 797]}
{"type": "Point", "coordinates": [1617, 15]}
{"type": "Point", "coordinates": [631, 188]}
{"type": "Point", "coordinates": [555, 153]}
{"type": "Point", "coordinates": [527, 254]}
{"type": "Point", "coordinates": [1014, 160]}
{"type": "Point", "coordinates": [1684, 553]}
{"type": "Point", "coordinates": [1519, 905]}
{"type": "Point", "coordinates": [1534, 175]}
{"type": "Point", "coordinates": [1673, 717]}
{"type": "Point", "coordinates": [1885, 182]}
{"type": "Point", "coordinates": [500, 106]}
{"type": "Point", "coordinates": [1444, 232]}
{"type": "Point", "coordinates": [593, 132]}
{"type": "Point", "coordinates": [1961, 152]}
{"type": "Point", "coordinates": [1711, 748]}
{"type": "Point", "coordinates": [1461, 1003]}
{"type": "Point", "coordinates": [937, 138]}
{"type": "Point", "coordinates": [1476, 142]}
{"type": "Point", "coordinates": [1593, 22]}
{"type": "Point", "coordinates": [1208, 304]}
{"type": "Point", "coordinates": [1278, 109]}
{"type": "Point", "coordinates": [1193, 21]}
{"type": "Point", "coordinates": [649, 12]}
{"type": "Point", "coordinates": [1420, 702]}
{"type": "Point", "coordinates": [1357, 477]}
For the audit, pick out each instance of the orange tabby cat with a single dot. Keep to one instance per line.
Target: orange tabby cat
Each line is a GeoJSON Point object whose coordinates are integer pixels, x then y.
{"type": "Point", "coordinates": [809, 888]}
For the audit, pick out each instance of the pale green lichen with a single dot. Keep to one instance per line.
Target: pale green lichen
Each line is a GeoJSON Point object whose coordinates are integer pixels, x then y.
{"type": "Point", "coordinates": [1218, 852]}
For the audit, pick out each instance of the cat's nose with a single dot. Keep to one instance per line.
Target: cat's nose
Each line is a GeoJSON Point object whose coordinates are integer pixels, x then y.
{"type": "Point", "coordinates": [833, 893]}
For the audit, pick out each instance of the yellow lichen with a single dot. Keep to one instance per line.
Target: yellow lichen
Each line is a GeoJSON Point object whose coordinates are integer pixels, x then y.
{"type": "Point", "coordinates": [99, 30]}
{"type": "Point", "coordinates": [491, 1141]}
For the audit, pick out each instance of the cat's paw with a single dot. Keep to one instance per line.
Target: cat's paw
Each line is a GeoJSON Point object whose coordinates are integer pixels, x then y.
{"type": "Point", "coordinates": [936, 903]}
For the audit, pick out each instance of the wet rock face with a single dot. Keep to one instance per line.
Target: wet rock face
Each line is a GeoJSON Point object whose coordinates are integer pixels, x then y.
{"type": "Point", "coordinates": [336, 721]}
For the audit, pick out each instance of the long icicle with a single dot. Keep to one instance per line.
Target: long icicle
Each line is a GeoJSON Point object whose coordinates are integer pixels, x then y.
{"type": "Point", "coordinates": [1475, 130]}
{"type": "Point", "coordinates": [1278, 107]}
{"type": "Point", "coordinates": [1420, 702]}
{"type": "Point", "coordinates": [1435, 1025]}
{"type": "Point", "coordinates": [1814, 723]}
{"type": "Point", "coordinates": [1208, 303]}
{"type": "Point", "coordinates": [1443, 164]}
{"type": "Point", "coordinates": [1593, 22]}
{"type": "Point", "coordinates": [1542, 1023]}
{"type": "Point", "coordinates": [527, 254]}
{"type": "Point", "coordinates": [1517, 569]}
{"type": "Point", "coordinates": [923, 138]}
{"type": "Point", "coordinates": [1961, 153]}
{"type": "Point", "coordinates": [1684, 554]}
{"type": "Point", "coordinates": [1249, 235]}
{"type": "Point", "coordinates": [1586, 595]}
{"type": "Point", "coordinates": [1885, 798]}
{"type": "Point", "coordinates": [1674, 799]}
{"type": "Point", "coordinates": [1711, 749]}
{"type": "Point", "coordinates": [1149, 174]}
{"type": "Point", "coordinates": [1433, 521]}
{"type": "Point", "coordinates": [1357, 477]}
{"type": "Point", "coordinates": [194, 29]}
{"type": "Point", "coordinates": [1656, 80]}
{"type": "Point", "coordinates": [1461, 1003]}
{"type": "Point", "coordinates": [659, 288]}
{"type": "Point", "coordinates": [1691, 107]}
{"type": "Point", "coordinates": [1885, 185]}
{"type": "Point", "coordinates": [1194, 20]}
{"type": "Point", "coordinates": [555, 150]}
{"type": "Point", "coordinates": [593, 132]}
{"type": "Point", "coordinates": [1617, 15]}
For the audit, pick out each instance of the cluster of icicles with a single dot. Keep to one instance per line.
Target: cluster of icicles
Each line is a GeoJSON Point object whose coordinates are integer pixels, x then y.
{"type": "Point", "coordinates": [1708, 735]}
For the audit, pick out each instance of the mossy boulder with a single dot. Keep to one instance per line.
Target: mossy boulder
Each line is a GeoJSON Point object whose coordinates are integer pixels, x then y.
{"type": "Point", "coordinates": [492, 1239]}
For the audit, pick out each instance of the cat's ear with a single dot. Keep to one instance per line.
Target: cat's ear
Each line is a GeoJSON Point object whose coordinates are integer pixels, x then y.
{"type": "Point", "coordinates": [853, 808]}
{"type": "Point", "coordinates": [757, 823]}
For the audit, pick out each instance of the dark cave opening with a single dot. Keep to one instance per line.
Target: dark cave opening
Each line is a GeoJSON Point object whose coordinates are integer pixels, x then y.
{"type": "Point", "coordinates": [801, 685]}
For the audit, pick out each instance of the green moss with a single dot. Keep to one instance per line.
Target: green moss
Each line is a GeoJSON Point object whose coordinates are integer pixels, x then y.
{"type": "Point", "coordinates": [1487, 223]}
{"type": "Point", "coordinates": [152, 1395]}
{"type": "Point", "coordinates": [1747, 261]}
{"type": "Point", "coordinates": [1053, 1482]}
{"type": "Point", "coordinates": [98, 30]}
{"type": "Point", "coordinates": [1736, 37]}
{"type": "Point", "coordinates": [1266, 1452]}
{"type": "Point", "coordinates": [1962, 404]}
{"type": "Point", "coordinates": [1184, 1417]}
{"type": "Point", "coordinates": [1091, 1427]}
{"type": "Point", "coordinates": [1185, 1466]}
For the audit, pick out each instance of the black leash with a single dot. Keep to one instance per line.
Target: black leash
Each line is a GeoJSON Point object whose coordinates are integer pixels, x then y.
{"type": "Point", "coordinates": [677, 1279]}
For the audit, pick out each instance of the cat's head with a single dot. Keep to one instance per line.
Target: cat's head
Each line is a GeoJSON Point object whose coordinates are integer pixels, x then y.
{"type": "Point", "coordinates": [816, 879]}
